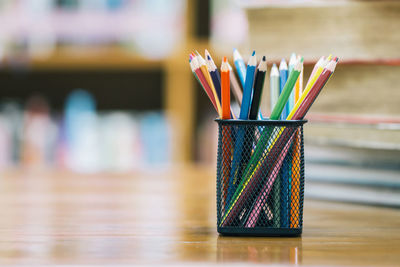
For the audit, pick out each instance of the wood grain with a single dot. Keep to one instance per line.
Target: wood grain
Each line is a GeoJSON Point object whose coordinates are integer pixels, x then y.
{"type": "Point", "coordinates": [168, 217]}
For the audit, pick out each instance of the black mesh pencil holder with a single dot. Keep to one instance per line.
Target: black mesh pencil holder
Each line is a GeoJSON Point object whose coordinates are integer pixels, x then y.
{"type": "Point", "coordinates": [260, 177]}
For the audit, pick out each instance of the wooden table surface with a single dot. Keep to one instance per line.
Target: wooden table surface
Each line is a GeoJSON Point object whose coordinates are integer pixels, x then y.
{"type": "Point", "coordinates": [168, 217]}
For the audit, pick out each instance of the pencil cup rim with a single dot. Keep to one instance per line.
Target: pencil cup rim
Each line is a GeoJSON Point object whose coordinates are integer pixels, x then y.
{"type": "Point", "coordinates": [261, 122]}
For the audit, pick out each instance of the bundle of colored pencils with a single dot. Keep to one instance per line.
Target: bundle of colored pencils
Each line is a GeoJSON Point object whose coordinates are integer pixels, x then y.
{"type": "Point", "coordinates": [289, 101]}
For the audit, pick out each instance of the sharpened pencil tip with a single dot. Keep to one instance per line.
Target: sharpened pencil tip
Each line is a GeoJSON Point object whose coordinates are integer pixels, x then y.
{"type": "Point", "coordinates": [208, 57]}
{"type": "Point", "coordinates": [263, 58]}
{"type": "Point", "coordinates": [302, 60]}
{"type": "Point", "coordinates": [224, 59]}
{"type": "Point", "coordinates": [254, 52]}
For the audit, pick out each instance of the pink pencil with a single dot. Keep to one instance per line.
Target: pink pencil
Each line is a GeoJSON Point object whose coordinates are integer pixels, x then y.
{"type": "Point", "coordinates": [255, 213]}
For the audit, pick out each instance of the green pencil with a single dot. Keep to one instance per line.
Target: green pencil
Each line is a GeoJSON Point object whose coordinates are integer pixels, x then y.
{"type": "Point", "coordinates": [287, 89]}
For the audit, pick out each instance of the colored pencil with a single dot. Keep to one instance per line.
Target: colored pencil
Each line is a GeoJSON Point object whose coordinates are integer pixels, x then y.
{"type": "Point", "coordinates": [320, 61]}
{"type": "Point", "coordinates": [202, 80]}
{"type": "Point", "coordinates": [215, 77]}
{"type": "Point", "coordinates": [275, 91]}
{"type": "Point", "coordinates": [238, 159]}
{"type": "Point", "coordinates": [246, 164]}
{"type": "Point", "coordinates": [254, 162]}
{"type": "Point", "coordinates": [299, 84]}
{"type": "Point", "coordinates": [285, 175]}
{"type": "Point", "coordinates": [299, 114]}
{"type": "Point", "coordinates": [295, 178]}
{"type": "Point", "coordinates": [280, 157]}
{"type": "Point", "coordinates": [292, 62]}
{"type": "Point", "coordinates": [236, 89]}
{"type": "Point", "coordinates": [225, 87]}
{"type": "Point", "coordinates": [206, 73]}
{"type": "Point", "coordinates": [283, 75]}
{"type": "Point", "coordinates": [254, 111]}
{"type": "Point", "coordinates": [274, 85]}
{"type": "Point", "coordinates": [286, 91]}
{"type": "Point", "coordinates": [314, 91]}
{"type": "Point", "coordinates": [258, 88]}
{"type": "Point", "coordinates": [212, 68]}
{"type": "Point", "coordinates": [226, 130]}
{"type": "Point", "coordinates": [248, 87]}
{"type": "Point", "coordinates": [240, 66]}
{"type": "Point", "coordinates": [319, 68]}
{"type": "Point", "coordinates": [295, 181]}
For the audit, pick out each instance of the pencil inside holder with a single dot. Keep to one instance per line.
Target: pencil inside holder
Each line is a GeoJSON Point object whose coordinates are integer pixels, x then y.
{"type": "Point", "coordinates": [260, 177]}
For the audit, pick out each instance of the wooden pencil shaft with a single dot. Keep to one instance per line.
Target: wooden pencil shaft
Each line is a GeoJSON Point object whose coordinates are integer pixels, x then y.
{"type": "Point", "coordinates": [236, 89]}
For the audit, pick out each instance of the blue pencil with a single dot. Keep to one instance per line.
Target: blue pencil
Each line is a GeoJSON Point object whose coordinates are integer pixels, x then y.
{"type": "Point", "coordinates": [283, 75]}
{"type": "Point", "coordinates": [240, 66]}
{"type": "Point", "coordinates": [248, 87]}
{"type": "Point", "coordinates": [239, 161]}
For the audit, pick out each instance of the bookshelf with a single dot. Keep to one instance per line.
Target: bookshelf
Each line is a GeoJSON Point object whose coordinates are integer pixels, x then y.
{"type": "Point", "coordinates": [169, 87]}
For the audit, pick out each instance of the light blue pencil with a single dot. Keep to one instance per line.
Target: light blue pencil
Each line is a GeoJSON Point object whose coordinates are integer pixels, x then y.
{"type": "Point", "coordinates": [240, 66]}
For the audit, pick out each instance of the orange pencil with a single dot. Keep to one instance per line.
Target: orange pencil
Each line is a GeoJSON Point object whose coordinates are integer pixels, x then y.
{"type": "Point", "coordinates": [295, 182]}
{"type": "Point", "coordinates": [225, 90]}
{"type": "Point", "coordinates": [226, 131]}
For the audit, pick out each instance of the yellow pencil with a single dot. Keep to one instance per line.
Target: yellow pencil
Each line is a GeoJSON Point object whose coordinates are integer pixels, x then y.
{"type": "Point", "coordinates": [206, 73]}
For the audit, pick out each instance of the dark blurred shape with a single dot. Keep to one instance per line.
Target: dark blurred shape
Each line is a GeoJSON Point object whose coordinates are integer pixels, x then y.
{"type": "Point", "coordinates": [67, 4]}
{"type": "Point", "coordinates": [113, 89]}
{"type": "Point", "coordinates": [203, 18]}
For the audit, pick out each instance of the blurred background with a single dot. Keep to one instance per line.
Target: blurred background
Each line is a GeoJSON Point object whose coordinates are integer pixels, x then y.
{"type": "Point", "coordinates": [104, 86]}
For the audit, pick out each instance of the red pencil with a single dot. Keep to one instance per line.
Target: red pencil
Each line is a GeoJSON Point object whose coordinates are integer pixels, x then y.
{"type": "Point", "coordinates": [314, 91]}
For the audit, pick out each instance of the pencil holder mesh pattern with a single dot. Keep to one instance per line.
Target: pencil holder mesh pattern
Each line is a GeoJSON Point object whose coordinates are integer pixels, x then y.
{"type": "Point", "coordinates": [260, 177]}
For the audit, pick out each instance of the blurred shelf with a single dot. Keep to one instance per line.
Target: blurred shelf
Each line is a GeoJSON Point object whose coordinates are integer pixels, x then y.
{"type": "Point", "coordinates": [85, 58]}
